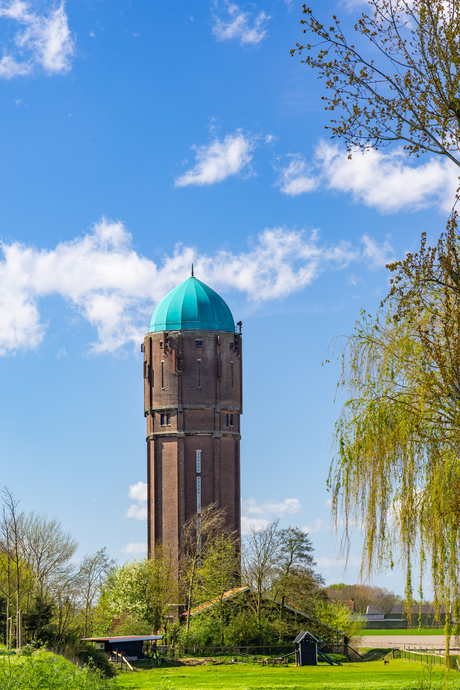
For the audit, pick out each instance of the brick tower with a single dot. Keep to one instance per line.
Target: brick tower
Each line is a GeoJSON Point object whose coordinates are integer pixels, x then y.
{"type": "Point", "coordinates": [193, 403]}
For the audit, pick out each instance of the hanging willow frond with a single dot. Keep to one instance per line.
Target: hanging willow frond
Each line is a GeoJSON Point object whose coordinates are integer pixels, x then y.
{"type": "Point", "coordinates": [397, 467]}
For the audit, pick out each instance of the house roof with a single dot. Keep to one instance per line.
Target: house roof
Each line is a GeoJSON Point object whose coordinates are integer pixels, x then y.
{"type": "Point", "coordinates": [212, 602]}
{"type": "Point", "coordinates": [400, 609]}
{"type": "Point", "coordinates": [238, 590]}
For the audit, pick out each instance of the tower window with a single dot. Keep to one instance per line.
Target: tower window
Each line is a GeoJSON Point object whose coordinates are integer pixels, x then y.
{"type": "Point", "coordinates": [232, 345]}
{"type": "Point", "coordinates": [228, 420]}
{"type": "Point", "coordinates": [198, 461]}
{"type": "Point", "coordinates": [161, 344]}
{"type": "Point", "coordinates": [199, 373]}
{"type": "Point", "coordinates": [199, 343]}
{"type": "Point", "coordinates": [198, 495]}
{"type": "Point", "coordinates": [231, 375]}
{"type": "Point", "coordinates": [165, 419]}
{"type": "Point", "coordinates": [162, 374]}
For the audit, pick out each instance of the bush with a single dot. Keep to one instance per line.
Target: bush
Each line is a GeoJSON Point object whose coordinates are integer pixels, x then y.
{"type": "Point", "coordinates": [85, 654]}
{"type": "Point", "coordinates": [205, 631]}
{"type": "Point", "coordinates": [46, 670]}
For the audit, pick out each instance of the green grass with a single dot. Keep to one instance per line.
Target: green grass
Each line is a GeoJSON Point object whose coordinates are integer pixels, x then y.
{"type": "Point", "coordinates": [408, 631]}
{"type": "Point", "coordinates": [398, 675]}
{"type": "Point", "coordinates": [46, 671]}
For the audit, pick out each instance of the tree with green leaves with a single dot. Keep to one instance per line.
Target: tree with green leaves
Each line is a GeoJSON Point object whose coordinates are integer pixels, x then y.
{"type": "Point", "coordinates": [92, 571]}
{"type": "Point", "coordinates": [397, 469]}
{"type": "Point", "coordinates": [218, 573]}
{"type": "Point", "coordinates": [162, 586]}
{"type": "Point", "coordinates": [198, 535]}
{"type": "Point", "coordinates": [259, 561]}
{"type": "Point", "coordinates": [396, 79]}
{"type": "Point", "coordinates": [141, 591]}
{"type": "Point", "coordinates": [294, 559]}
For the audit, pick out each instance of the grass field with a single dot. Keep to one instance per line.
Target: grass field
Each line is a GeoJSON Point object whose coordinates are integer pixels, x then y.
{"type": "Point", "coordinates": [408, 631]}
{"type": "Point", "coordinates": [398, 675]}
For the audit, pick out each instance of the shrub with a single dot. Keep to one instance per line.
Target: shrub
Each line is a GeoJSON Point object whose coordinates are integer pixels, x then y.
{"type": "Point", "coordinates": [46, 670]}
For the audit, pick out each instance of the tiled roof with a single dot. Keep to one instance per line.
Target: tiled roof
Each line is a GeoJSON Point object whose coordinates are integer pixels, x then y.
{"type": "Point", "coordinates": [212, 602]}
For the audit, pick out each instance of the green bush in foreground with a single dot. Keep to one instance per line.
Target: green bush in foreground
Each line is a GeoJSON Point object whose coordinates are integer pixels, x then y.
{"type": "Point", "coordinates": [42, 670]}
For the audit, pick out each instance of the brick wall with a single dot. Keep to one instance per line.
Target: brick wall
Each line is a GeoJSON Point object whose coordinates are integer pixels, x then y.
{"type": "Point", "coordinates": [192, 402]}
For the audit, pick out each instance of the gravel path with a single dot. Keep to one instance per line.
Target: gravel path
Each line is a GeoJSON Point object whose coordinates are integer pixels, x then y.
{"type": "Point", "coordinates": [401, 641]}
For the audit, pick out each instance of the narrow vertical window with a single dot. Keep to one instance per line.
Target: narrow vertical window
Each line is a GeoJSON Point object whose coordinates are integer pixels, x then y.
{"type": "Point", "coordinates": [198, 461]}
{"type": "Point", "coordinates": [168, 419]}
{"type": "Point", "coordinates": [198, 495]}
{"type": "Point", "coordinates": [163, 420]}
{"type": "Point", "coordinates": [162, 373]}
{"type": "Point", "coordinates": [231, 375]}
{"type": "Point", "coordinates": [231, 420]}
{"type": "Point", "coordinates": [199, 372]}
{"type": "Point", "coordinates": [226, 420]}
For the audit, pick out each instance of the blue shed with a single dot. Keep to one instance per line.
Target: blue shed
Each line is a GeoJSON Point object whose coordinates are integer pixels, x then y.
{"type": "Point", "coordinates": [131, 646]}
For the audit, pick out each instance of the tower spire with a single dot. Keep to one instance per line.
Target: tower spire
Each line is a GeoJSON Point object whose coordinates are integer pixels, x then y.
{"type": "Point", "coordinates": [192, 272]}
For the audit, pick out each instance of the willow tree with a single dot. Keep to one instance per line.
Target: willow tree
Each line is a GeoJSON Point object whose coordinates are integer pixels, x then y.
{"type": "Point", "coordinates": [396, 79]}
{"type": "Point", "coordinates": [397, 469]}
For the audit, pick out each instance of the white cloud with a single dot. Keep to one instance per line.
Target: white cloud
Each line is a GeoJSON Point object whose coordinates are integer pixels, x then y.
{"type": "Point", "coordinates": [378, 254]}
{"type": "Point", "coordinates": [250, 523]}
{"type": "Point", "coordinates": [9, 68]}
{"type": "Point", "coordinates": [102, 278]}
{"type": "Point", "coordinates": [294, 179]}
{"type": "Point", "coordinates": [45, 40]}
{"type": "Point", "coordinates": [317, 526]}
{"type": "Point", "coordinates": [289, 506]}
{"type": "Point", "coordinates": [258, 515]}
{"type": "Point", "coordinates": [138, 492]}
{"type": "Point", "coordinates": [135, 548]}
{"type": "Point", "coordinates": [138, 512]}
{"type": "Point", "coordinates": [219, 160]}
{"type": "Point", "coordinates": [230, 23]}
{"type": "Point", "coordinates": [381, 180]}
{"type": "Point", "coordinates": [332, 563]}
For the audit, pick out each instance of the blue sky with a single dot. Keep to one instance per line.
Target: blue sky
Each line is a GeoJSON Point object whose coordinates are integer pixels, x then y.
{"type": "Point", "coordinates": [136, 137]}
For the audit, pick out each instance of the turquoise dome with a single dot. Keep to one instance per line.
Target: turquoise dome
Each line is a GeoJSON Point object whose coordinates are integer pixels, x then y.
{"type": "Point", "coordinates": [192, 305]}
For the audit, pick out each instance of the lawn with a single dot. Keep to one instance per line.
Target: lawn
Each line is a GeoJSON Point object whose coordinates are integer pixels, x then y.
{"type": "Point", "coordinates": [408, 631]}
{"type": "Point", "coordinates": [397, 675]}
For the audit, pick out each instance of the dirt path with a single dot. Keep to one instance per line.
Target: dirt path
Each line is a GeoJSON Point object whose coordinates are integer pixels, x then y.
{"type": "Point", "coordinates": [401, 641]}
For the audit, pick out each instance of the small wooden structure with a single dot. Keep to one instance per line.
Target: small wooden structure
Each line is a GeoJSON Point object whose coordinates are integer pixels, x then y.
{"type": "Point", "coordinates": [131, 646]}
{"type": "Point", "coordinates": [306, 649]}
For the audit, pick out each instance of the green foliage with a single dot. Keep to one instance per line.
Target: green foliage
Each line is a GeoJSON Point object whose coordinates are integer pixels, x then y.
{"type": "Point", "coordinates": [137, 596]}
{"type": "Point", "coordinates": [45, 670]}
{"type": "Point", "coordinates": [92, 657]}
{"type": "Point", "coordinates": [338, 616]}
{"type": "Point", "coordinates": [205, 631]}
{"type": "Point", "coordinates": [397, 469]}
{"type": "Point", "coordinates": [127, 624]}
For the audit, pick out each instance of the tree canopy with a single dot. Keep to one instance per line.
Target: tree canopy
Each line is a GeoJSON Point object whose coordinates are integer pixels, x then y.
{"type": "Point", "coordinates": [398, 77]}
{"type": "Point", "coordinates": [396, 473]}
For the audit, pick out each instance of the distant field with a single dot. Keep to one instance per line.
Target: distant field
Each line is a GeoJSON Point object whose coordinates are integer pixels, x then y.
{"type": "Point", "coordinates": [373, 675]}
{"type": "Point", "coordinates": [409, 631]}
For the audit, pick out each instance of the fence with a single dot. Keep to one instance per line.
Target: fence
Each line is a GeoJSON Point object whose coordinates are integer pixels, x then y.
{"type": "Point", "coordinates": [436, 658]}
{"type": "Point", "coordinates": [195, 651]}
{"type": "Point", "coordinates": [246, 652]}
